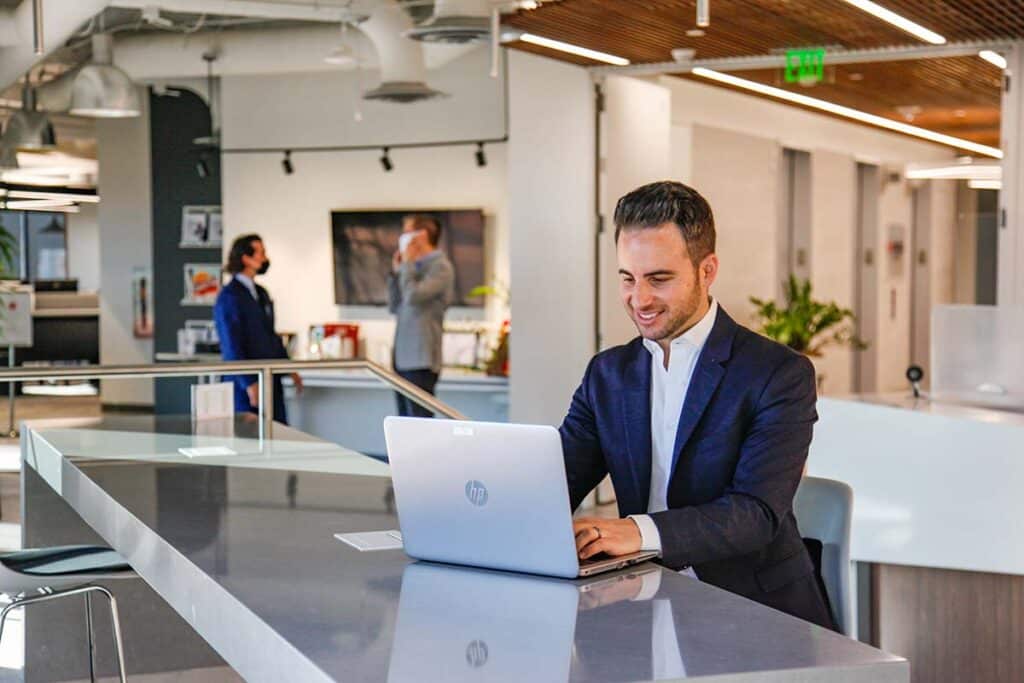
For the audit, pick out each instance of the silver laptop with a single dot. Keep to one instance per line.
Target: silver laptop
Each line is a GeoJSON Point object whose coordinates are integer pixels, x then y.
{"type": "Point", "coordinates": [488, 495]}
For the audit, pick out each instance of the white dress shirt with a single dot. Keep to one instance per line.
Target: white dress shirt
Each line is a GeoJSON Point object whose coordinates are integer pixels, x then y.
{"type": "Point", "coordinates": [668, 392]}
{"type": "Point", "coordinates": [248, 284]}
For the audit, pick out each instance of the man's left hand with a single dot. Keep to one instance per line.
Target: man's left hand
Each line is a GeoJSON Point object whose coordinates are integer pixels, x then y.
{"type": "Point", "coordinates": [610, 536]}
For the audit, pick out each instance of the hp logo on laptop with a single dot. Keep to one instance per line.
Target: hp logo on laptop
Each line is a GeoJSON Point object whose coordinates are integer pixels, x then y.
{"type": "Point", "coordinates": [476, 654]}
{"type": "Point", "coordinates": [476, 493]}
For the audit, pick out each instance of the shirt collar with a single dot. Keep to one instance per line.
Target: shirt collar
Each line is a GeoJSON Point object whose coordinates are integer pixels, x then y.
{"type": "Point", "coordinates": [696, 336]}
{"type": "Point", "coordinates": [429, 257]}
{"type": "Point", "coordinates": [247, 282]}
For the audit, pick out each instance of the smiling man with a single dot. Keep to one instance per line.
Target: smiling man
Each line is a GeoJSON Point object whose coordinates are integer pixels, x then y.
{"type": "Point", "coordinates": [702, 424]}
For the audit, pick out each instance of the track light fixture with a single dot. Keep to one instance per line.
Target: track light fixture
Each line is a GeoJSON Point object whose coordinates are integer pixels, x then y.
{"type": "Point", "coordinates": [385, 161]}
{"type": "Point", "coordinates": [481, 156]}
{"type": "Point", "coordinates": [202, 168]}
{"type": "Point", "coordinates": [286, 163]}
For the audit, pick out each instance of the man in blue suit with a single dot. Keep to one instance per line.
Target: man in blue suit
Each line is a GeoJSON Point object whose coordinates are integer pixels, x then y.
{"type": "Point", "coordinates": [244, 315]}
{"type": "Point", "coordinates": [703, 425]}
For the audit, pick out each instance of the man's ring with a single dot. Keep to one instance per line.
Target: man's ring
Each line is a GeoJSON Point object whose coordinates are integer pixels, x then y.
{"type": "Point", "coordinates": [598, 530]}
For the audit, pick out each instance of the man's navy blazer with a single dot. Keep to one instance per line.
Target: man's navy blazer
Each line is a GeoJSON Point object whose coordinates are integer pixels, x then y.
{"type": "Point", "coordinates": [740, 448]}
{"type": "Point", "coordinates": [246, 329]}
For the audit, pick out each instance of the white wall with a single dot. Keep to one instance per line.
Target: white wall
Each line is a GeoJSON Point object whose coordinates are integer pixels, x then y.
{"type": "Point", "coordinates": [694, 102]}
{"type": "Point", "coordinates": [736, 141]}
{"type": "Point", "coordinates": [739, 174]}
{"type": "Point", "coordinates": [125, 229]}
{"type": "Point", "coordinates": [84, 247]}
{"type": "Point", "coordinates": [551, 213]}
{"type": "Point", "coordinates": [292, 212]}
{"type": "Point", "coordinates": [834, 242]}
{"type": "Point", "coordinates": [320, 108]}
{"type": "Point", "coordinates": [895, 217]}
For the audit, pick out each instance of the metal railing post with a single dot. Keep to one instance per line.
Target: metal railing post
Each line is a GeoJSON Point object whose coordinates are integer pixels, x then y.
{"type": "Point", "coordinates": [12, 430]}
{"type": "Point", "coordinates": [267, 402]}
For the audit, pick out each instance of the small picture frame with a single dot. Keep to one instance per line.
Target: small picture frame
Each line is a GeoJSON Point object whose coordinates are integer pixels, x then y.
{"type": "Point", "coordinates": [201, 227]}
{"type": "Point", "coordinates": [142, 302]}
{"type": "Point", "coordinates": [202, 284]}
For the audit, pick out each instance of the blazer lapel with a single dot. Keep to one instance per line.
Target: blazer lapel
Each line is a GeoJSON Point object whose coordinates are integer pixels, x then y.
{"type": "Point", "coordinates": [636, 402]}
{"type": "Point", "coordinates": [705, 380]}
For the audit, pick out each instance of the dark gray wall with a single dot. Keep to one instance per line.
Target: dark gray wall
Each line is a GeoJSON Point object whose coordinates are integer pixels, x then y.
{"type": "Point", "coordinates": [176, 118]}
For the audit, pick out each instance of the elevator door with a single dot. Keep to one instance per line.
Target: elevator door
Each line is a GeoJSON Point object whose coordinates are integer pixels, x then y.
{"type": "Point", "coordinates": [865, 372]}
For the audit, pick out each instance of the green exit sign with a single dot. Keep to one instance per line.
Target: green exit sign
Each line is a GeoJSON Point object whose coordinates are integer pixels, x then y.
{"type": "Point", "coordinates": [805, 66]}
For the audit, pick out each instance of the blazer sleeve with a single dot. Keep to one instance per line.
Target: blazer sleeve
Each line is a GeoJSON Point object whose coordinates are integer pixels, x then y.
{"type": "Point", "coordinates": [750, 512]}
{"type": "Point", "coordinates": [581, 445]}
{"type": "Point", "coordinates": [420, 286]}
{"type": "Point", "coordinates": [231, 332]}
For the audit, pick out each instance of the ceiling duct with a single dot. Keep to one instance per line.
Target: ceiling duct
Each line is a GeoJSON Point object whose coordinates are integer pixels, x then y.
{"type": "Point", "coordinates": [455, 22]}
{"type": "Point", "coordinates": [402, 70]}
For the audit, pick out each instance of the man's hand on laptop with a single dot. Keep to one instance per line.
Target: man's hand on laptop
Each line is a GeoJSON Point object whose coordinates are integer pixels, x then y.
{"type": "Point", "coordinates": [612, 537]}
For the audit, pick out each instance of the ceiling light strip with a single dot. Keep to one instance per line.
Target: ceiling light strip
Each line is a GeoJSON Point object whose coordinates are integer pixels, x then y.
{"type": "Point", "coordinates": [57, 196]}
{"type": "Point", "coordinates": [848, 112]}
{"type": "Point", "coordinates": [898, 21]}
{"type": "Point", "coordinates": [897, 53]}
{"type": "Point", "coordinates": [573, 49]}
{"type": "Point", "coordinates": [993, 57]}
{"type": "Point", "coordinates": [968, 171]}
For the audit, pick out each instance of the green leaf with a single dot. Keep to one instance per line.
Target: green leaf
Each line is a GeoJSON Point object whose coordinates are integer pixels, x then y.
{"type": "Point", "coordinates": [804, 324]}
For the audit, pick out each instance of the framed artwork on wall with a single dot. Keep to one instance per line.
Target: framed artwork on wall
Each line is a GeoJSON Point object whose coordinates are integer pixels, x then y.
{"type": "Point", "coordinates": [364, 242]}
{"type": "Point", "coordinates": [202, 283]}
{"type": "Point", "coordinates": [142, 302]}
{"type": "Point", "coordinates": [201, 226]}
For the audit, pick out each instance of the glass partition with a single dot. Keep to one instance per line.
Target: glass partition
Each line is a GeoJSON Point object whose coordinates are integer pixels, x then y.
{"type": "Point", "coordinates": [976, 356]}
{"type": "Point", "coordinates": [337, 410]}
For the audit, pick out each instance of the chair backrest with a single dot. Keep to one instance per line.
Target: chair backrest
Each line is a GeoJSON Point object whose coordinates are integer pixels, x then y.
{"type": "Point", "coordinates": [823, 509]}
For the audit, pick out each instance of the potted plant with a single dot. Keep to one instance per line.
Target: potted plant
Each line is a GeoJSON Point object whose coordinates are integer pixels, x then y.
{"type": "Point", "coordinates": [498, 362]}
{"type": "Point", "coordinates": [8, 250]}
{"type": "Point", "coordinates": [805, 324]}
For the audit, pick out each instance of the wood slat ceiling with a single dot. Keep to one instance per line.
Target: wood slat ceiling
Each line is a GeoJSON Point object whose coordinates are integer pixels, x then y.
{"type": "Point", "coordinates": [957, 96]}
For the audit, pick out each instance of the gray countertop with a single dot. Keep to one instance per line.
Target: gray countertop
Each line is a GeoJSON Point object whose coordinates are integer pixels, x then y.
{"type": "Point", "coordinates": [242, 548]}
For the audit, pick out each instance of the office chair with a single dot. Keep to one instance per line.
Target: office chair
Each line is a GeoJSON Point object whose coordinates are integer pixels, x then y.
{"type": "Point", "coordinates": [29, 577]}
{"type": "Point", "coordinates": [823, 509]}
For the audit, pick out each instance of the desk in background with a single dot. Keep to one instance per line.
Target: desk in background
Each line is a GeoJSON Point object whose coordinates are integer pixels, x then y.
{"type": "Point", "coordinates": [349, 406]}
{"type": "Point", "coordinates": [936, 532]}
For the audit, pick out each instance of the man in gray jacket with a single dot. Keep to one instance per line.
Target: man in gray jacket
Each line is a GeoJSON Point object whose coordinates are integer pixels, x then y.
{"type": "Point", "coordinates": [420, 288]}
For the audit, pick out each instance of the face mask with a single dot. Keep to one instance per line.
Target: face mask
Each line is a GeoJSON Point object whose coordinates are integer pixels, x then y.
{"type": "Point", "coordinates": [264, 268]}
{"type": "Point", "coordinates": [404, 239]}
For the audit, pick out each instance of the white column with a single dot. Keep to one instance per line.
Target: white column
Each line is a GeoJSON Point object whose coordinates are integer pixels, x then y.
{"type": "Point", "coordinates": [1011, 198]}
{"type": "Point", "coordinates": [635, 150]}
{"type": "Point", "coordinates": [551, 240]}
{"type": "Point", "coordinates": [126, 241]}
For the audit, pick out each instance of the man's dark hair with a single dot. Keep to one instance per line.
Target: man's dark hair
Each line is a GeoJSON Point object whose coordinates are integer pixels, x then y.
{"type": "Point", "coordinates": [666, 201]}
{"type": "Point", "coordinates": [428, 222]}
{"type": "Point", "coordinates": [242, 246]}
